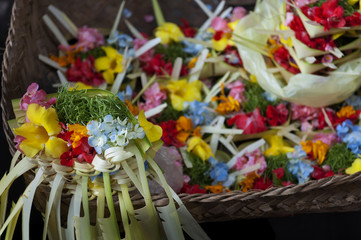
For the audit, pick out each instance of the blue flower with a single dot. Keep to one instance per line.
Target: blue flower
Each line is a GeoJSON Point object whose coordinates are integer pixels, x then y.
{"type": "Point", "coordinates": [269, 96]}
{"type": "Point", "coordinates": [300, 169]}
{"type": "Point", "coordinates": [198, 113]}
{"type": "Point", "coordinates": [219, 172]}
{"type": "Point", "coordinates": [192, 48]}
{"type": "Point", "coordinates": [126, 95]}
{"type": "Point", "coordinates": [344, 128]}
{"type": "Point", "coordinates": [298, 154]}
{"type": "Point", "coordinates": [127, 13]}
{"type": "Point", "coordinates": [99, 142]}
{"type": "Point", "coordinates": [355, 101]}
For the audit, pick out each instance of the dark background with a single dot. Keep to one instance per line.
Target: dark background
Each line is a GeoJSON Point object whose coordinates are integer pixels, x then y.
{"type": "Point", "coordinates": [311, 226]}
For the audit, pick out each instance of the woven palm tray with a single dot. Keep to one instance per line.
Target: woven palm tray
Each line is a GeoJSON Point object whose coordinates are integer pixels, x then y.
{"type": "Point", "coordinates": [28, 37]}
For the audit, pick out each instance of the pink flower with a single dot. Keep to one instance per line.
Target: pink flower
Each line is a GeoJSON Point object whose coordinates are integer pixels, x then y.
{"type": "Point", "coordinates": [138, 43]}
{"type": "Point", "coordinates": [88, 38]}
{"type": "Point", "coordinates": [33, 95]}
{"type": "Point", "coordinates": [153, 97]}
{"type": "Point", "coordinates": [237, 89]}
{"type": "Point", "coordinates": [220, 24]}
{"type": "Point", "coordinates": [328, 138]}
{"type": "Point", "coordinates": [251, 123]}
{"type": "Point", "coordinates": [304, 113]}
{"type": "Point", "coordinates": [250, 159]}
{"type": "Point", "coordinates": [238, 13]}
{"type": "Point", "coordinates": [18, 139]}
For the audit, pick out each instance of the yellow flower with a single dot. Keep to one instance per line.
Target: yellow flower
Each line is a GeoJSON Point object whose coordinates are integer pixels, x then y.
{"type": "Point", "coordinates": [185, 129]}
{"type": "Point", "coordinates": [233, 25]}
{"type": "Point", "coordinates": [197, 146]}
{"type": "Point", "coordinates": [221, 44]}
{"type": "Point", "coordinates": [153, 132]}
{"type": "Point", "coordinates": [78, 132]}
{"type": "Point", "coordinates": [132, 108]}
{"type": "Point", "coordinates": [346, 112]}
{"type": "Point", "coordinates": [355, 167]}
{"type": "Point", "coordinates": [109, 64]}
{"type": "Point", "coordinates": [181, 91]}
{"type": "Point", "coordinates": [277, 146]}
{"type": "Point", "coordinates": [284, 41]}
{"type": "Point", "coordinates": [40, 132]}
{"type": "Point", "coordinates": [227, 104]}
{"type": "Point", "coordinates": [318, 149]}
{"type": "Point", "coordinates": [253, 78]}
{"type": "Point", "coordinates": [168, 32]}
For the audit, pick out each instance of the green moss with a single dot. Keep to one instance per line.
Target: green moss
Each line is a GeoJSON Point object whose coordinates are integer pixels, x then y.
{"type": "Point", "coordinates": [96, 52]}
{"type": "Point", "coordinates": [198, 173]}
{"type": "Point", "coordinates": [81, 107]}
{"type": "Point", "coordinates": [339, 157]}
{"type": "Point", "coordinates": [274, 162]}
{"type": "Point", "coordinates": [253, 94]}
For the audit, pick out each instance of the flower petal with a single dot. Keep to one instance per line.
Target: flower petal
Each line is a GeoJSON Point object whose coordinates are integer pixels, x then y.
{"type": "Point", "coordinates": [55, 147]}
{"type": "Point", "coordinates": [153, 132]}
{"type": "Point", "coordinates": [110, 52]}
{"type": "Point", "coordinates": [31, 148]}
{"type": "Point", "coordinates": [108, 75]}
{"type": "Point", "coordinates": [102, 63]}
{"type": "Point", "coordinates": [44, 117]}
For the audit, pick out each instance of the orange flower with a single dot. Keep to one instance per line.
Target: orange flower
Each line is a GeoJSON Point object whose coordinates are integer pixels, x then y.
{"type": "Point", "coordinates": [218, 188]}
{"type": "Point", "coordinates": [132, 108]}
{"type": "Point", "coordinates": [346, 112]}
{"type": "Point", "coordinates": [248, 182]}
{"type": "Point", "coordinates": [185, 129]}
{"type": "Point", "coordinates": [227, 104]}
{"type": "Point", "coordinates": [78, 132]}
{"type": "Point", "coordinates": [66, 60]}
{"type": "Point", "coordinates": [318, 149]}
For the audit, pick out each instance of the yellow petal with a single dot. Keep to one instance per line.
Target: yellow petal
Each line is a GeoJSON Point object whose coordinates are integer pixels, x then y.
{"type": "Point", "coordinates": [355, 167]}
{"type": "Point", "coordinates": [44, 117]}
{"type": "Point", "coordinates": [108, 75]}
{"type": "Point", "coordinates": [177, 102]}
{"type": "Point", "coordinates": [153, 132]}
{"type": "Point", "coordinates": [110, 52]}
{"type": "Point", "coordinates": [31, 148]}
{"type": "Point", "coordinates": [118, 67]}
{"type": "Point", "coordinates": [102, 63]}
{"type": "Point", "coordinates": [80, 86]}
{"type": "Point", "coordinates": [192, 142]}
{"type": "Point", "coordinates": [54, 147]}
{"type": "Point", "coordinates": [32, 132]}
{"type": "Point", "coordinates": [220, 45]}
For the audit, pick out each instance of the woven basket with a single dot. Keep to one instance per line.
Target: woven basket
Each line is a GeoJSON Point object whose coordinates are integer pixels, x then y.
{"type": "Point", "coordinates": [28, 37]}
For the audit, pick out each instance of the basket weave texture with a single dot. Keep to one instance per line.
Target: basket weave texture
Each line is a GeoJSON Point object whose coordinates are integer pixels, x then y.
{"type": "Point", "coordinates": [28, 37]}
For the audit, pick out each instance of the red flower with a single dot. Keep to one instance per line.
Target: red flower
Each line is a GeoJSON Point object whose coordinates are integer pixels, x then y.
{"type": "Point", "coordinates": [170, 133]}
{"type": "Point", "coordinates": [157, 65]}
{"type": "Point", "coordinates": [187, 30]}
{"type": "Point", "coordinates": [353, 20]}
{"type": "Point", "coordinates": [329, 15]}
{"type": "Point", "coordinates": [276, 115]}
{"type": "Point", "coordinates": [262, 183]}
{"type": "Point", "coordinates": [280, 172]}
{"type": "Point", "coordinates": [191, 189]}
{"type": "Point", "coordinates": [320, 172]}
{"type": "Point", "coordinates": [66, 159]}
{"type": "Point", "coordinates": [250, 122]}
{"type": "Point", "coordinates": [283, 58]}
{"type": "Point", "coordinates": [83, 151]}
{"type": "Point", "coordinates": [322, 121]}
{"type": "Point", "coordinates": [84, 71]}
{"type": "Point", "coordinates": [218, 35]}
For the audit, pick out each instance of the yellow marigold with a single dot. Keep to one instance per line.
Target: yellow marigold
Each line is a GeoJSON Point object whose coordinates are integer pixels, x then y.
{"type": "Point", "coordinates": [185, 129]}
{"type": "Point", "coordinates": [318, 149]}
{"type": "Point", "coordinates": [346, 112]}
{"type": "Point", "coordinates": [199, 147]}
{"type": "Point", "coordinates": [78, 132]}
{"type": "Point", "coordinates": [182, 91]}
{"type": "Point", "coordinates": [248, 182]}
{"type": "Point", "coordinates": [168, 32]}
{"type": "Point", "coordinates": [227, 104]}
{"type": "Point", "coordinates": [41, 132]}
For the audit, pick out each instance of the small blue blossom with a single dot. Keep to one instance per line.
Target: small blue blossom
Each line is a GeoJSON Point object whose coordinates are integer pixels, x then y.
{"type": "Point", "coordinates": [127, 13]}
{"type": "Point", "coordinates": [198, 113]}
{"type": "Point", "coordinates": [270, 96]}
{"type": "Point", "coordinates": [122, 41]}
{"type": "Point", "coordinates": [98, 142]}
{"type": "Point", "coordinates": [192, 48]}
{"type": "Point", "coordinates": [299, 153]}
{"type": "Point", "coordinates": [219, 172]}
{"type": "Point", "coordinates": [126, 95]}
{"type": "Point", "coordinates": [300, 169]}
{"type": "Point", "coordinates": [355, 101]}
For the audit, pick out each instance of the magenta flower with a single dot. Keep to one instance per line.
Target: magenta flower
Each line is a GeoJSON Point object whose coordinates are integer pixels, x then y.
{"type": "Point", "coordinates": [250, 159]}
{"type": "Point", "coordinates": [238, 13]}
{"type": "Point", "coordinates": [33, 95]}
{"type": "Point", "coordinates": [220, 24]}
{"type": "Point", "coordinates": [329, 138]}
{"type": "Point", "coordinates": [153, 97]}
{"type": "Point", "coordinates": [88, 38]}
{"type": "Point", "coordinates": [237, 89]}
{"type": "Point", "coordinates": [138, 43]}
